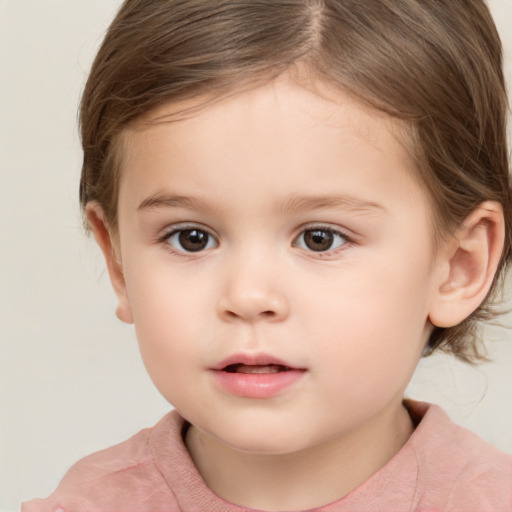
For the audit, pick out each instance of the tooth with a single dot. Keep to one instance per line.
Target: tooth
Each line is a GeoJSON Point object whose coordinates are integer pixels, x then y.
{"type": "Point", "coordinates": [257, 369]}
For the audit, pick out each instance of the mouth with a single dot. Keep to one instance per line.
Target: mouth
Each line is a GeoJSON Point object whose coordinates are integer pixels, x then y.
{"type": "Point", "coordinates": [254, 364]}
{"type": "Point", "coordinates": [256, 368]}
{"type": "Point", "coordinates": [256, 376]}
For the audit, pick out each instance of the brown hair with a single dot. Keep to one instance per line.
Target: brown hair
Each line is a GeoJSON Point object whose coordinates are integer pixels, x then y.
{"type": "Point", "coordinates": [436, 65]}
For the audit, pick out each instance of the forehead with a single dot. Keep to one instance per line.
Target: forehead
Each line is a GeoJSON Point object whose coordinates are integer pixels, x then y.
{"type": "Point", "coordinates": [296, 133]}
{"type": "Point", "coordinates": [282, 101]}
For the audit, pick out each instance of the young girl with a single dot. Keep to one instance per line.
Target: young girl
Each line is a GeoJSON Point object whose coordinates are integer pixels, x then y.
{"type": "Point", "coordinates": [296, 200]}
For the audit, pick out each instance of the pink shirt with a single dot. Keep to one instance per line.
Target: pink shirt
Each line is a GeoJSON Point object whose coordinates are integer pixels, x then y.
{"type": "Point", "coordinates": [443, 467]}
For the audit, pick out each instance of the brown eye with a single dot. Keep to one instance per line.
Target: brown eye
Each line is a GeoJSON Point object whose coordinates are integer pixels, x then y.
{"type": "Point", "coordinates": [191, 240]}
{"type": "Point", "coordinates": [320, 239]}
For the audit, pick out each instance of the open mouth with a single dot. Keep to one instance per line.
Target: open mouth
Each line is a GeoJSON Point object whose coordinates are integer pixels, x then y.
{"type": "Point", "coordinates": [256, 376]}
{"type": "Point", "coordinates": [254, 364]}
{"type": "Point", "coordinates": [256, 368]}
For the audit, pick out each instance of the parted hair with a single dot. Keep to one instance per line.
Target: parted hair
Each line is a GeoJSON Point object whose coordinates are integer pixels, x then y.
{"type": "Point", "coordinates": [436, 65]}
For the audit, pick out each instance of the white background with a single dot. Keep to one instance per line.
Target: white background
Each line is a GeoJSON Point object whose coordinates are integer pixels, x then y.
{"type": "Point", "coordinates": [71, 381]}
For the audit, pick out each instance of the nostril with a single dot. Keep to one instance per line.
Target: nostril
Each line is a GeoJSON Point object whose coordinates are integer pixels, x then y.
{"type": "Point", "coordinates": [252, 306]}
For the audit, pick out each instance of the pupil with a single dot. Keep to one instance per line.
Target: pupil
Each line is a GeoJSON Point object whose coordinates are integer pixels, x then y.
{"type": "Point", "coordinates": [193, 240]}
{"type": "Point", "coordinates": [318, 239]}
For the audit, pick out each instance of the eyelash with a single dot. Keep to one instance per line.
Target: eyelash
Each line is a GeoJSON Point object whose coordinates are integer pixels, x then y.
{"type": "Point", "coordinates": [166, 237]}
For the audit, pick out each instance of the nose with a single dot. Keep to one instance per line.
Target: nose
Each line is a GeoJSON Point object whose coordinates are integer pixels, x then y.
{"type": "Point", "coordinates": [252, 293]}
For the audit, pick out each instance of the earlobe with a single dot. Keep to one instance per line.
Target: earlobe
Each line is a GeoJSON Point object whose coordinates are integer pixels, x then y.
{"type": "Point", "coordinates": [108, 246]}
{"type": "Point", "coordinates": [469, 262]}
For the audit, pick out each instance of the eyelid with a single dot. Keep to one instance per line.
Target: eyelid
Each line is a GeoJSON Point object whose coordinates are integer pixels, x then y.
{"type": "Point", "coordinates": [182, 226]}
{"type": "Point", "coordinates": [345, 233]}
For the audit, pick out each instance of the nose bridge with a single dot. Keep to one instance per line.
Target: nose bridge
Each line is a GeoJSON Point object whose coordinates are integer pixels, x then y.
{"type": "Point", "coordinates": [251, 289]}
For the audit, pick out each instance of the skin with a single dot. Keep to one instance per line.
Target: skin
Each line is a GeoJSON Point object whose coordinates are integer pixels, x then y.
{"type": "Point", "coordinates": [355, 317]}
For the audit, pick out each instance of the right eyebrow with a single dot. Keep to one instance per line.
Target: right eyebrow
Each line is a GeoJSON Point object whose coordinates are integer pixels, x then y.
{"type": "Point", "coordinates": [162, 200]}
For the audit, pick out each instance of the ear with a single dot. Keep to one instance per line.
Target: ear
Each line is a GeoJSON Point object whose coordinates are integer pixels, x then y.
{"type": "Point", "coordinates": [110, 248]}
{"type": "Point", "coordinates": [468, 264]}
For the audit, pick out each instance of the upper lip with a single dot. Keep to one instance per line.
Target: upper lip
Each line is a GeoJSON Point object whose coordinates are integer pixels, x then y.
{"type": "Point", "coordinates": [258, 359]}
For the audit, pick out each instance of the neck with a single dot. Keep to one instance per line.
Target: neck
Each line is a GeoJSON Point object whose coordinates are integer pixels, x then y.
{"type": "Point", "coordinates": [310, 478]}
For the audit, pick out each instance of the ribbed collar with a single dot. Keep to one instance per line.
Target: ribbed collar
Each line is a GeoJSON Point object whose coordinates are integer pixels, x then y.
{"type": "Point", "coordinates": [392, 488]}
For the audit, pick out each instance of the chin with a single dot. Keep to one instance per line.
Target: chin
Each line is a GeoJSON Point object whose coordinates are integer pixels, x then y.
{"type": "Point", "coordinates": [257, 439]}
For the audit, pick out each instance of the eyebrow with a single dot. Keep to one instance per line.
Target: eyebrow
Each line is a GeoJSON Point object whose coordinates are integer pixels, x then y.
{"type": "Point", "coordinates": [162, 200]}
{"type": "Point", "coordinates": [290, 205]}
{"type": "Point", "coordinates": [342, 202]}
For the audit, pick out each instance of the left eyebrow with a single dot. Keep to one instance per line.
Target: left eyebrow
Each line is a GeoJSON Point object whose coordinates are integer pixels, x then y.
{"type": "Point", "coordinates": [343, 202]}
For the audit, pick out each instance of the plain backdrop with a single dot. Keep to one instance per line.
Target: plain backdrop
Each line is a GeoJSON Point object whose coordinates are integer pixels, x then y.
{"type": "Point", "coordinates": [71, 380]}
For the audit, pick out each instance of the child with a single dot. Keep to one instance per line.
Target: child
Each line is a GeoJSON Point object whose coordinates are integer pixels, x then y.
{"type": "Point", "coordinates": [296, 200]}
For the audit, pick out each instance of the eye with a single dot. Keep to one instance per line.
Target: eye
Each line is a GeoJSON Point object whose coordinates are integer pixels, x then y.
{"type": "Point", "coordinates": [190, 240]}
{"type": "Point", "coordinates": [320, 239]}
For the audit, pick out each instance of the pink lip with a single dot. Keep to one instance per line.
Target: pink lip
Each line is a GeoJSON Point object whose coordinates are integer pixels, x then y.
{"type": "Point", "coordinates": [255, 385]}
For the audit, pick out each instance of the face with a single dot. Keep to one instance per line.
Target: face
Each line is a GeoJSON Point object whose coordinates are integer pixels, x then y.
{"type": "Point", "coordinates": [278, 264]}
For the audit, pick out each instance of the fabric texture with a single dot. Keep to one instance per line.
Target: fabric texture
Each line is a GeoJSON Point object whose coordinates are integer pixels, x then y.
{"type": "Point", "coordinates": [442, 467]}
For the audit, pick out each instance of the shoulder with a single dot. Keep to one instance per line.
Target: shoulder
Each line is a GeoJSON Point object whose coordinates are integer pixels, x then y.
{"type": "Point", "coordinates": [457, 470]}
{"type": "Point", "coordinates": [484, 474]}
{"type": "Point", "coordinates": [124, 476]}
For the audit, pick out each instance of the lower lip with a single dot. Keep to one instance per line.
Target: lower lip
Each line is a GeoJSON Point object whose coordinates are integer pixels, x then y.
{"type": "Point", "coordinates": [257, 385]}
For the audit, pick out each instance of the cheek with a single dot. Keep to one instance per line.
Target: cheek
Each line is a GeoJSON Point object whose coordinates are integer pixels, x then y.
{"type": "Point", "coordinates": [168, 315]}
{"type": "Point", "coordinates": [375, 323]}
